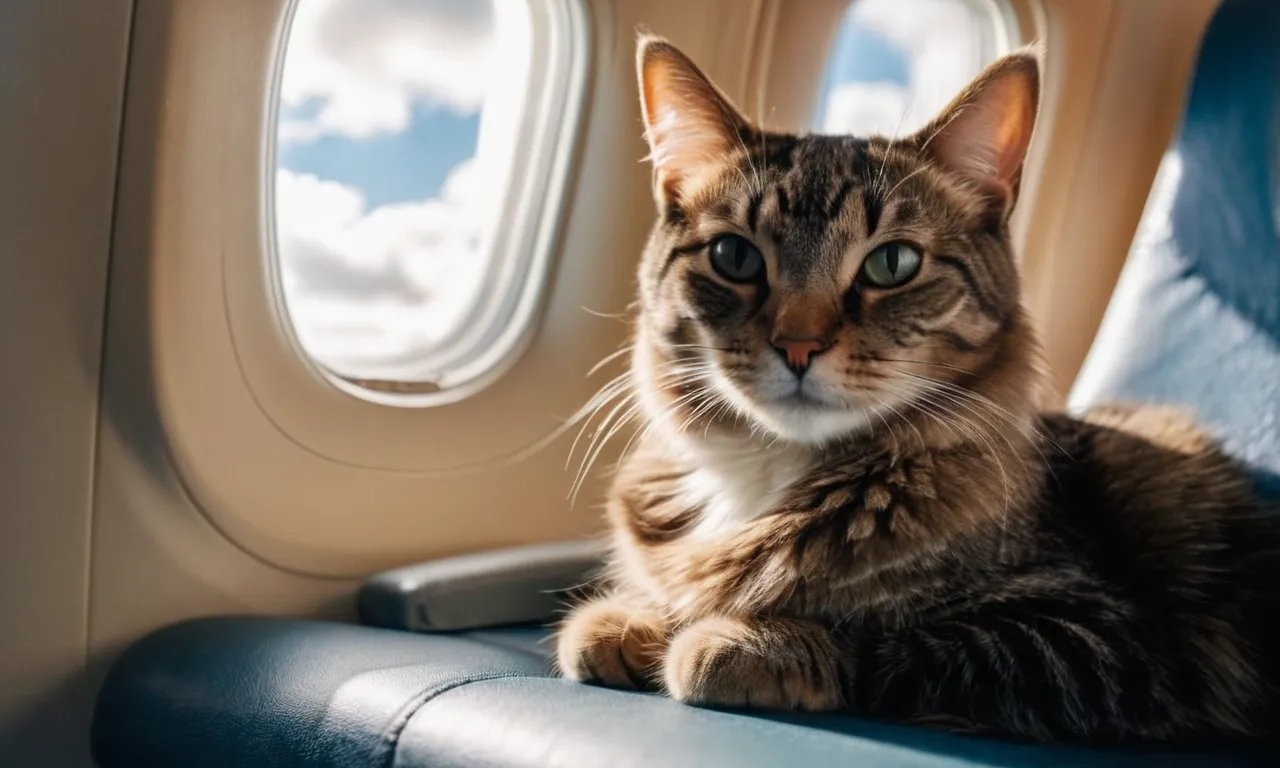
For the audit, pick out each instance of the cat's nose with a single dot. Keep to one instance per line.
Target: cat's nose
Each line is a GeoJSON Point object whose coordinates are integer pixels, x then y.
{"type": "Point", "coordinates": [799, 352]}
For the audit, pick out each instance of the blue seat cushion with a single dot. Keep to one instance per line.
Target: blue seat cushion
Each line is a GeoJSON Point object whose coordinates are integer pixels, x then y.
{"type": "Point", "coordinates": [252, 692]}
{"type": "Point", "coordinates": [1195, 317]}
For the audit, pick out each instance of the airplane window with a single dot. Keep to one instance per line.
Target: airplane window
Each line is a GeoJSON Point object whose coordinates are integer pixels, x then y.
{"type": "Point", "coordinates": [896, 63]}
{"type": "Point", "coordinates": [407, 139]}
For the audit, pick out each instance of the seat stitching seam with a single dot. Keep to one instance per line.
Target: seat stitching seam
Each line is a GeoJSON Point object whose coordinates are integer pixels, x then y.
{"type": "Point", "coordinates": [390, 739]}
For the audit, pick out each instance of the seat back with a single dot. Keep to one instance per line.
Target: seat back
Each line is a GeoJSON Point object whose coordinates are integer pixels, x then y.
{"type": "Point", "coordinates": [1195, 318]}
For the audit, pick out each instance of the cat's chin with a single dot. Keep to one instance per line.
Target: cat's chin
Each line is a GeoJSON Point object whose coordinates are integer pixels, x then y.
{"type": "Point", "coordinates": [808, 421]}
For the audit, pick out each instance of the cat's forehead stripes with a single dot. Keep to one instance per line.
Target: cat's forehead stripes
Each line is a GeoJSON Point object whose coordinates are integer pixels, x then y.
{"type": "Point", "coordinates": [807, 197]}
{"type": "Point", "coordinates": [822, 199]}
{"type": "Point", "coordinates": [825, 169]}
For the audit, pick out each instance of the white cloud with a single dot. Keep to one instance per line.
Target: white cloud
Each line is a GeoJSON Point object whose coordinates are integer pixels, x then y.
{"type": "Point", "coordinates": [372, 292]}
{"type": "Point", "coordinates": [368, 61]}
{"type": "Point", "coordinates": [943, 43]}
{"type": "Point", "coordinates": [866, 108]}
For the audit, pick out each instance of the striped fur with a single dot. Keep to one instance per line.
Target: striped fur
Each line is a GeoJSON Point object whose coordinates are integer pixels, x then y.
{"type": "Point", "coordinates": [898, 531]}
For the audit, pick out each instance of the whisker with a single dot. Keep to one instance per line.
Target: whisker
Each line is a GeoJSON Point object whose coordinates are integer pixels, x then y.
{"type": "Point", "coordinates": [948, 366]}
{"type": "Point", "coordinates": [626, 418]}
{"type": "Point", "coordinates": [598, 439]}
{"type": "Point", "coordinates": [927, 400]}
{"type": "Point", "coordinates": [608, 359]}
{"type": "Point", "coordinates": [619, 316]}
{"type": "Point", "coordinates": [875, 186]}
{"type": "Point", "coordinates": [705, 347]}
{"type": "Point", "coordinates": [1004, 480]}
{"type": "Point", "coordinates": [919, 438]}
{"type": "Point", "coordinates": [903, 180]}
{"type": "Point", "coordinates": [624, 402]}
{"type": "Point", "coordinates": [597, 403]}
{"type": "Point", "coordinates": [996, 409]}
{"type": "Point", "coordinates": [967, 393]}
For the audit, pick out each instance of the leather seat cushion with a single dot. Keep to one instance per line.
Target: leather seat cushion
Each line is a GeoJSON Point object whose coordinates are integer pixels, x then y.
{"type": "Point", "coordinates": [252, 692]}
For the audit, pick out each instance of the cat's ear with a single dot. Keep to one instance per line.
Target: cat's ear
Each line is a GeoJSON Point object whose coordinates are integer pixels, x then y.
{"type": "Point", "coordinates": [690, 125]}
{"type": "Point", "coordinates": [984, 133]}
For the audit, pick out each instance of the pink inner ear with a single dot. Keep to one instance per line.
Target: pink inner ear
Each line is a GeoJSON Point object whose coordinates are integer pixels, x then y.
{"type": "Point", "coordinates": [1012, 133]}
{"type": "Point", "coordinates": [683, 139]}
{"type": "Point", "coordinates": [987, 138]}
{"type": "Point", "coordinates": [688, 125]}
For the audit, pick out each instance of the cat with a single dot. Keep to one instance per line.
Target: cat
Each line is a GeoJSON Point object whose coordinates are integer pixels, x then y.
{"type": "Point", "coordinates": [846, 498]}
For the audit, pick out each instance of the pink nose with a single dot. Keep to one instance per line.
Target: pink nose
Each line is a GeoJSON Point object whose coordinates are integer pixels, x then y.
{"type": "Point", "coordinates": [798, 352]}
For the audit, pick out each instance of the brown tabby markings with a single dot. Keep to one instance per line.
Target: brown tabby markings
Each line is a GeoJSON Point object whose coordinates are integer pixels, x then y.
{"type": "Point", "coordinates": [888, 525]}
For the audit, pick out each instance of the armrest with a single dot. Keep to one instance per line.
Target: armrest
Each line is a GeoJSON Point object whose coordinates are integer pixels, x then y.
{"type": "Point", "coordinates": [519, 585]}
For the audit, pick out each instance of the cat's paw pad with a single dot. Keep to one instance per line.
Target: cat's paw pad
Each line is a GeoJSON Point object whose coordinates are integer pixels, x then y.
{"type": "Point", "coordinates": [605, 643]}
{"type": "Point", "coordinates": [718, 662]}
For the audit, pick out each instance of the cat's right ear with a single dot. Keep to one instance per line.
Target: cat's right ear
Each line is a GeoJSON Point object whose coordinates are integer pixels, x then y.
{"type": "Point", "coordinates": [690, 125]}
{"type": "Point", "coordinates": [984, 134]}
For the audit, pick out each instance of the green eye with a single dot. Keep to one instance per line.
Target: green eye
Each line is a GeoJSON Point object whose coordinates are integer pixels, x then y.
{"type": "Point", "coordinates": [891, 265]}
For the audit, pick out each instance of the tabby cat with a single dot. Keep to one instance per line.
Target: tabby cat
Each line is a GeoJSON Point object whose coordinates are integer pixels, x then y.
{"type": "Point", "coordinates": [846, 498]}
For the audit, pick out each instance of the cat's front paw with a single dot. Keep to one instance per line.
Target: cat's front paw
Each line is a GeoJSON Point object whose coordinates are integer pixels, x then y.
{"type": "Point", "coordinates": [764, 664]}
{"type": "Point", "coordinates": [609, 642]}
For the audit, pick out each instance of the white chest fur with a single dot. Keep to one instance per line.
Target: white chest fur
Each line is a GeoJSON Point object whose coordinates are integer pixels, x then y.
{"type": "Point", "coordinates": [735, 484]}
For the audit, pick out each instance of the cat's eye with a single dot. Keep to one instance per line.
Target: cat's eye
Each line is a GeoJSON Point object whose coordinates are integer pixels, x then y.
{"type": "Point", "coordinates": [736, 259]}
{"type": "Point", "coordinates": [891, 264]}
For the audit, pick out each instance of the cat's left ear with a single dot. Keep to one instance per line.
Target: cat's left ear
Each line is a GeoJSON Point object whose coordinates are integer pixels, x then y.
{"type": "Point", "coordinates": [984, 133]}
{"type": "Point", "coordinates": [690, 125]}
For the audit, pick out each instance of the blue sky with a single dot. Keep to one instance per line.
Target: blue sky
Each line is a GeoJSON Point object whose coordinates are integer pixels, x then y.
{"type": "Point", "coordinates": [861, 54]}
{"type": "Point", "coordinates": [391, 167]}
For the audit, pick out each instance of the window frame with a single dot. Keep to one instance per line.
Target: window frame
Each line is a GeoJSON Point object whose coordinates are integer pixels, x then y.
{"type": "Point", "coordinates": [296, 466]}
{"type": "Point", "coordinates": [488, 340]}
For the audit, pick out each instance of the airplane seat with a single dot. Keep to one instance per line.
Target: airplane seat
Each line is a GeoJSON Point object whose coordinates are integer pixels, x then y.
{"type": "Point", "coordinates": [1195, 316]}
{"type": "Point", "coordinates": [1195, 319]}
